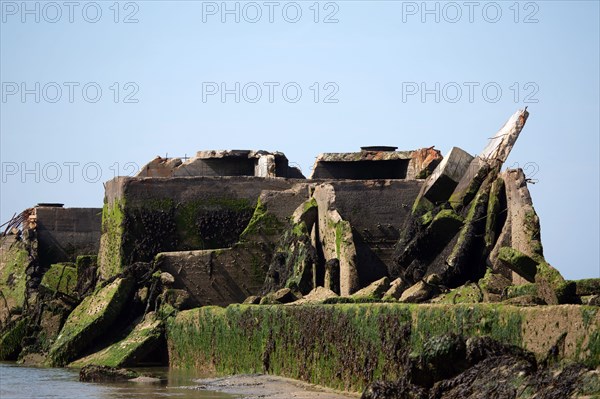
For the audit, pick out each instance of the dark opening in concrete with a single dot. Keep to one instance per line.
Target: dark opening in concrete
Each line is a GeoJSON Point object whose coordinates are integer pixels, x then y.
{"type": "Point", "coordinates": [364, 170]}
{"type": "Point", "coordinates": [230, 166]}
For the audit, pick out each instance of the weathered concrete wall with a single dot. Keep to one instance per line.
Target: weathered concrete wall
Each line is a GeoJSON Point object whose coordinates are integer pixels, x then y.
{"type": "Point", "coordinates": [376, 210]}
{"type": "Point", "coordinates": [217, 277]}
{"type": "Point", "coordinates": [145, 216]}
{"type": "Point", "coordinates": [348, 346]}
{"type": "Point", "coordinates": [65, 233]}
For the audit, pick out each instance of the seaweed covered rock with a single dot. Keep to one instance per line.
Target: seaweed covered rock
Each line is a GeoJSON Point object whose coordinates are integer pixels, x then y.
{"type": "Point", "coordinates": [14, 263]}
{"type": "Point", "coordinates": [94, 373]}
{"type": "Point", "coordinates": [292, 263]}
{"type": "Point", "coordinates": [451, 367]}
{"type": "Point", "coordinates": [91, 318]}
{"type": "Point", "coordinates": [142, 339]}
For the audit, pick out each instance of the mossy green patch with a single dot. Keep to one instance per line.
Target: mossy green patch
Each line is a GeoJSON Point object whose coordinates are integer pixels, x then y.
{"type": "Point", "coordinates": [426, 218]}
{"type": "Point", "coordinates": [518, 262]}
{"type": "Point", "coordinates": [494, 213]}
{"type": "Point", "coordinates": [515, 291]}
{"type": "Point", "coordinates": [262, 223]}
{"type": "Point", "coordinates": [111, 242]}
{"type": "Point", "coordinates": [470, 293]}
{"type": "Point", "coordinates": [89, 320]}
{"type": "Point", "coordinates": [214, 222]}
{"type": "Point", "coordinates": [343, 346]}
{"type": "Point", "coordinates": [62, 278]}
{"type": "Point", "coordinates": [310, 204]}
{"type": "Point", "coordinates": [13, 277]}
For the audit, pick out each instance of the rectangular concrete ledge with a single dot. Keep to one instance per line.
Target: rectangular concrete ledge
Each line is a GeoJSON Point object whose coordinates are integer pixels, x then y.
{"type": "Point", "coordinates": [346, 346]}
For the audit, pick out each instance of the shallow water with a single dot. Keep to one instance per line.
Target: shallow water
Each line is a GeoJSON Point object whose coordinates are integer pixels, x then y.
{"type": "Point", "coordinates": [18, 382]}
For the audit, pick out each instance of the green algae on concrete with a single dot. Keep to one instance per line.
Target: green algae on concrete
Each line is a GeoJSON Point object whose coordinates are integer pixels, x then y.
{"type": "Point", "coordinates": [518, 262]}
{"type": "Point", "coordinates": [264, 226]}
{"type": "Point", "coordinates": [588, 286]}
{"type": "Point", "coordinates": [495, 212]}
{"type": "Point", "coordinates": [62, 278]}
{"type": "Point", "coordinates": [89, 320]}
{"type": "Point", "coordinates": [10, 341]}
{"type": "Point", "coordinates": [110, 256]}
{"type": "Point", "coordinates": [346, 346]}
{"type": "Point", "coordinates": [13, 278]}
{"type": "Point", "coordinates": [131, 349]}
{"type": "Point", "coordinates": [468, 293]}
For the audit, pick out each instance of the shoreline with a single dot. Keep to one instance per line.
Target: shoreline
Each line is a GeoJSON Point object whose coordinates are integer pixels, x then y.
{"type": "Point", "coordinates": [264, 386]}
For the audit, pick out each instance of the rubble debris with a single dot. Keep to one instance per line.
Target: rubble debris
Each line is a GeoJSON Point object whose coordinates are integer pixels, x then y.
{"type": "Point", "coordinates": [223, 163]}
{"type": "Point", "coordinates": [375, 290]}
{"type": "Point", "coordinates": [317, 295]}
{"type": "Point", "coordinates": [376, 163]}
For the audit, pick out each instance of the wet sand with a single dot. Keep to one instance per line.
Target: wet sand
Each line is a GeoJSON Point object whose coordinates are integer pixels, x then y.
{"type": "Point", "coordinates": [255, 386]}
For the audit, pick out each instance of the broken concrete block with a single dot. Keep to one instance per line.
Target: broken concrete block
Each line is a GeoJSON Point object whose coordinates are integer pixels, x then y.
{"type": "Point", "coordinates": [490, 160]}
{"type": "Point", "coordinates": [500, 145]}
{"type": "Point", "coordinates": [518, 262]}
{"type": "Point", "coordinates": [318, 295]}
{"type": "Point", "coordinates": [495, 213]}
{"type": "Point", "coordinates": [423, 163]}
{"type": "Point", "coordinates": [252, 300]}
{"type": "Point", "coordinates": [469, 184]}
{"type": "Point", "coordinates": [89, 320]}
{"type": "Point", "coordinates": [282, 296]}
{"type": "Point", "coordinates": [493, 286]}
{"type": "Point", "coordinates": [336, 238]}
{"type": "Point", "coordinates": [468, 293]}
{"type": "Point", "coordinates": [439, 186]}
{"type": "Point", "coordinates": [142, 340]}
{"type": "Point", "coordinates": [160, 167]}
{"type": "Point", "coordinates": [94, 373]}
{"type": "Point", "coordinates": [521, 229]}
{"type": "Point", "coordinates": [217, 276]}
{"type": "Point", "coordinates": [464, 260]}
{"type": "Point", "coordinates": [396, 289]}
{"type": "Point", "coordinates": [552, 287]}
{"type": "Point", "coordinates": [167, 279]}
{"type": "Point", "coordinates": [418, 293]}
{"type": "Point", "coordinates": [265, 166]}
{"type": "Point", "coordinates": [375, 290]}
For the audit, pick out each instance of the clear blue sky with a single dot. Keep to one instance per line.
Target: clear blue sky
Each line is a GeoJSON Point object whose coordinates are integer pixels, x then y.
{"type": "Point", "coordinates": [371, 62]}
